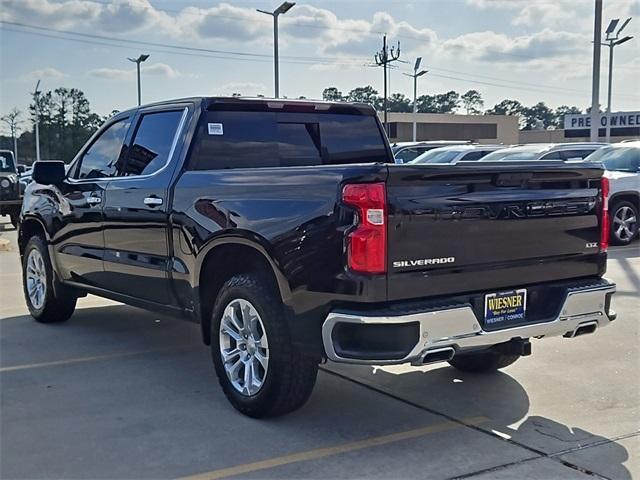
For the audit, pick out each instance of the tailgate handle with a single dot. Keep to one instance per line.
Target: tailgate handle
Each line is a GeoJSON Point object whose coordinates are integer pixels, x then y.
{"type": "Point", "coordinates": [512, 179]}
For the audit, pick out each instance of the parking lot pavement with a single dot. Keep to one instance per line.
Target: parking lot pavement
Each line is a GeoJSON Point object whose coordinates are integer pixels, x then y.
{"type": "Point", "coordinates": [117, 392]}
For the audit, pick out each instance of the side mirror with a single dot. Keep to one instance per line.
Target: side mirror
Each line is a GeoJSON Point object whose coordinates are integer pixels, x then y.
{"type": "Point", "coordinates": [21, 168]}
{"type": "Point", "coordinates": [48, 172]}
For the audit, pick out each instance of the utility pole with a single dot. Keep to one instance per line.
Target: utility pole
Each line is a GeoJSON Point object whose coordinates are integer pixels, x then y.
{"type": "Point", "coordinates": [415, 76]}
{"type": "Point", "coordinates": [138, 61]}
{"type": "Point", "coordinates": [36, 101]}
{"type": "Point", "coordinates": [284, 8]}
{"type": "Point", "coordinates": [383, 58]}
{"type": "Point", "coordinates": [611, 41]}
{"type": "Point", "coordinates": [595, 79]}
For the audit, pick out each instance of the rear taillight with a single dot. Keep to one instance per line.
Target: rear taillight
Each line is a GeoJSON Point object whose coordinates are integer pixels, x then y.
{"type": "Point", "coordinates": [367, 242]}
{"type": "Point", "coordinates": [604, 215]}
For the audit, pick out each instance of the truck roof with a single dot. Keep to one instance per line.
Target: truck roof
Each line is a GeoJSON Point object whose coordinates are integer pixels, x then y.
{"type": "Point", "coordinates": [264, 103]}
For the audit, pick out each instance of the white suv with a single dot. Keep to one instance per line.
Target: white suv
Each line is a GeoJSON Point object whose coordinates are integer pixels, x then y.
{"type": "Point", "coordinates": [622, 164]}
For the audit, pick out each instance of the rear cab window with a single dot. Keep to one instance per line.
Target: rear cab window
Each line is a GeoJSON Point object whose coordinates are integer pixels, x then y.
{"type": "Point", "coordinates": [259, 139]}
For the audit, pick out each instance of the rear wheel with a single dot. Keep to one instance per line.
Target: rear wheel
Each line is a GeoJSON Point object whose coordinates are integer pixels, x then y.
{"type": "Point", "coordinates": [47, 299]}
{"type": "Point", "coordinates": [260, 370]}
{"type": "Point", "coordinates": [624, 223]}
{"type": "Point", "coordinates": [13, 217]}
{"type": "Point", "coordinates": [482, 361]}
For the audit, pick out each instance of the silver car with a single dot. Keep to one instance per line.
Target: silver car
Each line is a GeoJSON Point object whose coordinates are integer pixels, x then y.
{"type": "Point", "coordinates": [456, 153]}
{"type": "Point", "coordinates": [544, 151]}
{"type": "Point", "coordinates": [622, 164]}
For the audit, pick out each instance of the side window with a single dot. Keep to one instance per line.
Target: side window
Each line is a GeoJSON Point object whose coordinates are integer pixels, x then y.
{"type": "Point", "coordinates": [106, 154]}
{"type": "Point", "coordinates": [472, 156]}
{"type": "Point", "coordinates": [151, 144]}
{"type": "Point", "coordinates": [552, 156]}
{"type": "Point", "coordinates": [571, 154]}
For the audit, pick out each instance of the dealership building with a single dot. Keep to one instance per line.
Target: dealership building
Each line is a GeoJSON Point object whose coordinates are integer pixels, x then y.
{"type": "Point", "coordinates": [440, 126]}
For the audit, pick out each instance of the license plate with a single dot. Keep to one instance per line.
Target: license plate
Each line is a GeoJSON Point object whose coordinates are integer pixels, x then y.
{"type": "Point", "coordinates": [505, 308]}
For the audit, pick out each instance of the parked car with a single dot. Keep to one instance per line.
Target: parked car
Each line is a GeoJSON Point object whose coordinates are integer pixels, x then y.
{"type": "Point", "coordinates": [622, 164]}
{"type": "Point", "coordinates": [286, 231]}
{"type": "Point", "coordinates": [544, 151]}
{"type": "Point", "coordinates": [404, 152]}
{"type": "Point", "coordinates": [10, 191]}
{"type": "Point", "coordinates": [456, 153]}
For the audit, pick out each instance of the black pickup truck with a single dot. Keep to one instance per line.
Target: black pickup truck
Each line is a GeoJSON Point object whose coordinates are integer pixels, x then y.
{"type": "Point", "coordinates": [286, 231]}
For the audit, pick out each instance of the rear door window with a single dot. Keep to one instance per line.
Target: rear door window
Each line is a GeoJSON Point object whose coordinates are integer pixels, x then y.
{"type": "Point", "coordinates": [473, 156]}
{"type": "Point", "coordinates": [152, 142]}
{"type": "Point", "coordinates": [230, 139]}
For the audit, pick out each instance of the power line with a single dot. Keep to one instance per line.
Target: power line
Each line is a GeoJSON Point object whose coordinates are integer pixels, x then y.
{"type": "Point", "coordinates": [262, 58]}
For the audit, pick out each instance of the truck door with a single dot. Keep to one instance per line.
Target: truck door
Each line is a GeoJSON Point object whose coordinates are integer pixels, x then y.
{"type": "Point", "coordinates": [79, 243]}
{"type": "Point", "coordinates": [136, 208]}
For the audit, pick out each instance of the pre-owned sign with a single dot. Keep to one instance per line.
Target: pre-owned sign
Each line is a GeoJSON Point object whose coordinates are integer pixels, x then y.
{"type": "Point", "coordinates": [614, 119]}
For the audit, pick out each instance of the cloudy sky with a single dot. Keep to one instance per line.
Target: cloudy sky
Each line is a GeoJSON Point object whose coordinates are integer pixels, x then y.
{"type": "Point", "coordinates": [529, 50]}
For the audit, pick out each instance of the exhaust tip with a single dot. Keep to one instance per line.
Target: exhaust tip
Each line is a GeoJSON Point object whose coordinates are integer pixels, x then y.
{"type": "Point", "coordinates": [438, 355]}
{"type": "Point", "coordinates": [584, 329]}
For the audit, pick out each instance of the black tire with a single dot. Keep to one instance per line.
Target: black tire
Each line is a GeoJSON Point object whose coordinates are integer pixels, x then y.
{"type": "Point", "coordinates": [482, 362]}
{"type": "Point", "coordinates": [13, 217]}
{"type": "Point", "coordinates": [59, 302]}
{"type": "Point", "coordinates": [290, 376]}
{"type": "Point", "coordinates": [619, 236]}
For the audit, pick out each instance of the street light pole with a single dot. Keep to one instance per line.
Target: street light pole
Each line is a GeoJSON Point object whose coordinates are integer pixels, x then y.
{"type": "Point", "coordinates": [36, 101]}
{"type": "Point", "coordinates": [595, 76]}
{"type": "Point", "coordinates": [138, 61]}
{"type": "Point", "coordinates": [415, 76]}
{"type": "Point", "coordinates": [284, 8]}
{"type": "Point", "coordinates": [611, 41]}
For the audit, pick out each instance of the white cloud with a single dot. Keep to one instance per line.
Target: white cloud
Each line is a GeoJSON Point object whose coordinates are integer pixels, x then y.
{"type": "Point", "coordinates": [48, 73]}
{"type": "Point", "coordinates": [248, 89]}
{"type": "Point", "coordinates": [159, 69]}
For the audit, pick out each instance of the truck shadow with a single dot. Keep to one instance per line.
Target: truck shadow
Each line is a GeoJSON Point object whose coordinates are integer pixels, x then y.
{"type": "Point", "coordinates": [167, 387]}
{"type": "Point", "coordinates": [497, 396]}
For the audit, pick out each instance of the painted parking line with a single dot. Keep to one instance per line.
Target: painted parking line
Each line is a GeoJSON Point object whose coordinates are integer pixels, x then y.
{"type": "Point", "coordinates": [336, 450]}
{"type": "Point", "coordinates": [95, 358]}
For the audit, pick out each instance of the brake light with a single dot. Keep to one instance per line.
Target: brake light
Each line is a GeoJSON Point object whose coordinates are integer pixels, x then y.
{"type": "Point", "coordinates": [604, 215]}
{"type": "Point", "coordinates": [367, 243]}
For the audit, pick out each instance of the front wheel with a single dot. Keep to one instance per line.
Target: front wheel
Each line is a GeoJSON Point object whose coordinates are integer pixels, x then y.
{"type": "Point", "coordinates": [482, 361]}
{"type": "Point", "coordinates": [47, 299]}
{"type": "Point", "coordinates": [261, 371]}
{"type": "Point", "coordinates": [624, 223]}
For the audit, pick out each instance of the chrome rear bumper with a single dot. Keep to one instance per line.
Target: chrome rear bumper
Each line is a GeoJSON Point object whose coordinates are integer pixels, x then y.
{"type": "Point", "coordinates": [583, 310]}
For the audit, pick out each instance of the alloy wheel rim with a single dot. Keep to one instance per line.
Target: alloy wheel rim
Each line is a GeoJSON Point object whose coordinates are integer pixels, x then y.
{"type": "Point", "coordinates": [624, 222]}
{"type": "Point", "coordinates": [244, 347]}
{"type": "Point", "coordinates": [36, 279]}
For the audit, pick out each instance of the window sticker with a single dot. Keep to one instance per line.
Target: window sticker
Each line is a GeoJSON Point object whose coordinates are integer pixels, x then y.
{"type": "Point", "coordinates": [215, 129]}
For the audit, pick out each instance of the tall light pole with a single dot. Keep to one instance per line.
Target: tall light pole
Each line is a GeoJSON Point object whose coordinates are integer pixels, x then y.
{"type": "Point", "coordinates": [36, 101]}
{"type": "Point", "coordinates": [611, 41]}
{"type": "Point", "coordinates": [138, 61]}
{"type": "Point", "coordinates": [415, 76]}
{"type": "Point", "coordinates": [595, 75]}
{"type": "Point", "coordinates": [284, 8]}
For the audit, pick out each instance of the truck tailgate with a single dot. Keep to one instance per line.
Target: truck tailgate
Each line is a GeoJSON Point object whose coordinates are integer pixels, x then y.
{"type": "Point", "coordinates": [478, 227]}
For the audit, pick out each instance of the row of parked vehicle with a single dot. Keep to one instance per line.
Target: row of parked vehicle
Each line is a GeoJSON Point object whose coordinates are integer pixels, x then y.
{"type": "Point", "coordinates": [621, 161]}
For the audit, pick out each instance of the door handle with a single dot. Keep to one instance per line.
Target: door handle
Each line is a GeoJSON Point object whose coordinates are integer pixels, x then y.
{"type": "Point", "coordinates": [93, 200]}
{"type": "Point", "coordinates": [153, 201]}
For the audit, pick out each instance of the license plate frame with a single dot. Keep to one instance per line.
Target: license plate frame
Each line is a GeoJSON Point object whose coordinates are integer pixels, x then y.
{"type": "Point", "coordinates": [505, 308]}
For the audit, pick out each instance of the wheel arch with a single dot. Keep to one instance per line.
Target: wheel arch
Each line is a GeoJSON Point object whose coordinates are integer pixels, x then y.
{"type": "Point", "coordinates": [626, 195]}
{"type": "Point", "coordinates": [224, 257]}
{"type": "Point", "coordinates": [30, 226]}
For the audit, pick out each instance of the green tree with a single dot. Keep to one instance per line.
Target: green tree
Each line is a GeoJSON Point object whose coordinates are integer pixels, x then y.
{"type": "Point", "coordinates": [539, 115]}
{"type": "Point", "coordinates": [560, 112]}
{"type": "Point", "coordinates": [332, 94]}
{"type": "Point", "coordinates": [506, 107]}
{"type": "Point", "coordinates": [367, 95]}
{"type": "Point", "coordinates": [426, 104]}
{"type": "Point", "coordinates": [398, 102]}
{"type": "Point", "coordinates": [447, 102]}
{"type": "Point", "coordinates": [472, 101]}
